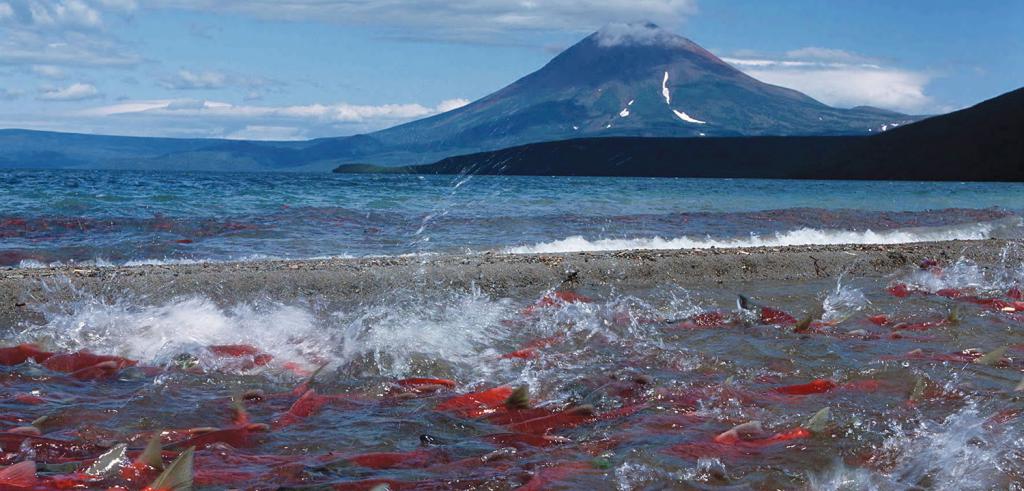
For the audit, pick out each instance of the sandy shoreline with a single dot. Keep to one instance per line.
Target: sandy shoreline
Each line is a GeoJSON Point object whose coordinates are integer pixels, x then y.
{"type": "Point", "coordinates": [497, 274]}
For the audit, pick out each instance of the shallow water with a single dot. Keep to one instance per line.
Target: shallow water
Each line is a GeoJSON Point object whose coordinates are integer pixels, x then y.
{"type": "Point", "coordinates": [111, 217]}
{"type": "Point", "coordinates": [661, 382]}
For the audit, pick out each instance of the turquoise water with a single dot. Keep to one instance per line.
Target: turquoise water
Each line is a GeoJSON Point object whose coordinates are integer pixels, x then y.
{"type": "Point", "coordinates": [123, 217]}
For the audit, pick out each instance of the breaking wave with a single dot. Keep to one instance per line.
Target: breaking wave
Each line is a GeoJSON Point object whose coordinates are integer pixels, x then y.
{"type": "Point", "coordinates": [802, 236]}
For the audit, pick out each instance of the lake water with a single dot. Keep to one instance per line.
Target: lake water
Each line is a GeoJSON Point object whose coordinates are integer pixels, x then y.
{"type": "Point", "coordinates": [111, 217]}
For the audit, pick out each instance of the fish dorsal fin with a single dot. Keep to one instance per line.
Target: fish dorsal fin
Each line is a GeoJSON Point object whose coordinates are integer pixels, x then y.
{"type": "Point", "coordinates": [109, 461]}
{"type": "Point", "coordinates": [817, 312]}
{"type": "Point", "coordinates": [804, 324]}
{"type": "Point", "coordinates": [1020, 386]}
{"type": "Point", "coordinates": [748, 428]}
{"type": "Point", "coordinates": [519, 399]}
{"type": "Point", "coordinates": [178, 475]}
{"type": "Point", "coordinates": [22, 474]}
{"type": "Point", "coordinates": [743, 302]}
{"type": "Point", "coordinates": [820, 420]}
{"type": "Point", "coordinates": [992, 357]}
{"type": "Point", "coordinates": [152, 455]}
{"type": "Point", "coordinates": [311, 380]}
{"type": "Point", "coordinates": [40, 421]}
{"type": "Point", "coordinates": [954, 316]}
{"type": "Point", "coordinates": [241, 416]}
{"type": "Point", "coordinates": [736, 433]}
{"type": "Point", "coordinates": [917, 393]}
{"type": "Point", "coordinates": [583, 410]}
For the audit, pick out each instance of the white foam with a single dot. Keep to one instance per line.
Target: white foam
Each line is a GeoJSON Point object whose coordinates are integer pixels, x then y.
{"type": "Point", "coordinates": [103, 263]}
{"type": "Point", "coordinates": [843, 302]}
{"type": "Point", "coordinates": [803, 236]}
{"type": "Point", "coordinates": [155, 334]}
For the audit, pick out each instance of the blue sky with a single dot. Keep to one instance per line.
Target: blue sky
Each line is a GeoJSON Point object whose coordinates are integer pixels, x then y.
{"type": "Point", "coordinates": [295, 69]}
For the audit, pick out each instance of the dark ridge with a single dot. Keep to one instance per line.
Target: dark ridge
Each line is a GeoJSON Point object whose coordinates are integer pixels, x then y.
{"type": "Point", "coordinates": [980, 143]}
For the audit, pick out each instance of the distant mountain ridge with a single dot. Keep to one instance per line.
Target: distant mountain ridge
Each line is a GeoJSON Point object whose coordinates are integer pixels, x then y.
{"type": "Point", "coordinates": [624, 80]}
{"type": "Point", "coordinates": [981, 143]}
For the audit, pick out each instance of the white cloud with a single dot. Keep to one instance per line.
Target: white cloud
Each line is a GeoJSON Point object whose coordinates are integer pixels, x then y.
{"type": "Point", "coordinates": [189, 80]}
{"type": "Point", "coordinates": [841, 78]}
{"type": "Point", "coordinates": [48, 71]}
{"type": "Point", "coordinates": [467, 19]}
{"type": "Point", "coordinates": [273, 133]}
{"type": "Point", "coordinates": [73, 92]}
{"type": "Point", "coordinates": [8, 94]}
{"type": "Point", "coordinates": [637, 34]}
{"type": "Point", "coordinates": [375, 116]}
{"type": "Point", "coordinates": [62, 13]}
{"type": "Point", "coordinates": [818, 53]}
{"type": "Point", "coordinates": [119, 5]}
{"type": "Point", "coordinates": [61, 32]}
{"type": "Point", "coordinates": [451, 105]}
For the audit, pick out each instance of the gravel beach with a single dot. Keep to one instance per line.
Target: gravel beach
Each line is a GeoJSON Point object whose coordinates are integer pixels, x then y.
{"type": "Point", "coordinates": [23, 290]}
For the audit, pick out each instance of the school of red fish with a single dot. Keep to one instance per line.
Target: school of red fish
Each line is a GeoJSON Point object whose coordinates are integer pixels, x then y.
{"type": "Point", "coordinates": [84, 420]}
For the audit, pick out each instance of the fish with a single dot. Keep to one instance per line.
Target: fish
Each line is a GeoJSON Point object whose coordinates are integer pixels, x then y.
{"type": "Point", "coordinates": [899, 290]}
{"type": "Point", "coordinates": [521, 440]}
{"type": "Point", "coordinates": [548, 477]}
{"type": "Point", "coordinates": [398, 460]}
{"type": "Point", "coordinates": [879, 320]}
{"type": "Point", "coordinates": [17, 355]}
{"type": "Point", "coordinates": [477, 404]}
{"type": "Point", "coordinates": [421, 384]}
{"type": "Point", "coordinates": [81, 360]}
{"type": "Point", "coordinates": [952, 319]}
{"type": "Point", "coordinates": [766, 315]}
{"type": "Point", "coordinates": [239, 351]}
{"type": "Point", "coordinates": [19, 476]}
{"type": "Point", "coordinates": [994, 357]}
{"type": "Point", "coordinates": [308, 404]}
{"type": "Point", "coordinates": [555, 298]}
{"type": "Point", "coordinates": [818, 386]}
{"type": "Point", "coordinates": [522, 354]}
{"type": "Point", "coordinates": [178, 476]}
{"type": "Point", "coordinates": [43, 446]}
{"type": "Point", "coordinates": [567, 418]}
{"type": "Point", "coordinates": [705, 320]}
{"type": "Point", "coordinates": [240, 434]}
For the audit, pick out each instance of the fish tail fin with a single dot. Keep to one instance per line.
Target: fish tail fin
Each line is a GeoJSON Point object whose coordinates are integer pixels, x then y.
{"type": "Point", "coordinates": [109, 461]}
{"type": "Point", "coordinates": [583, 410]}
{"type": "Point", "coordinates": [178, 475]}
{"type": "Point", "coordinates": [20, 475]}
{"type": "Point", "coordinates": [819, 421]}
{"type": "Point", "coordinates": [804, 324]}
{"type": "Point", "coordinates": [151, 455]}
{"type": "Point", "coordinates": [40, 421]}
{"type": "Point", "coordinates": [954, 316]}
{"type": "Point", "coordinates": [992, 357]}
{"type": "Point", "coordinates": [917, 393]}
{"type": "Point", "coordinates": [743, 302]}
{"type": "Point", "coordinates": [519, 399]}
{"type": "Point", "coordinates": [240, 416]}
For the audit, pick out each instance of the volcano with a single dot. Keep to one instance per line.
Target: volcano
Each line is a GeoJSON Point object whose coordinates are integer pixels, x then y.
{"type": "Point", "coordinates": [632, 80]}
